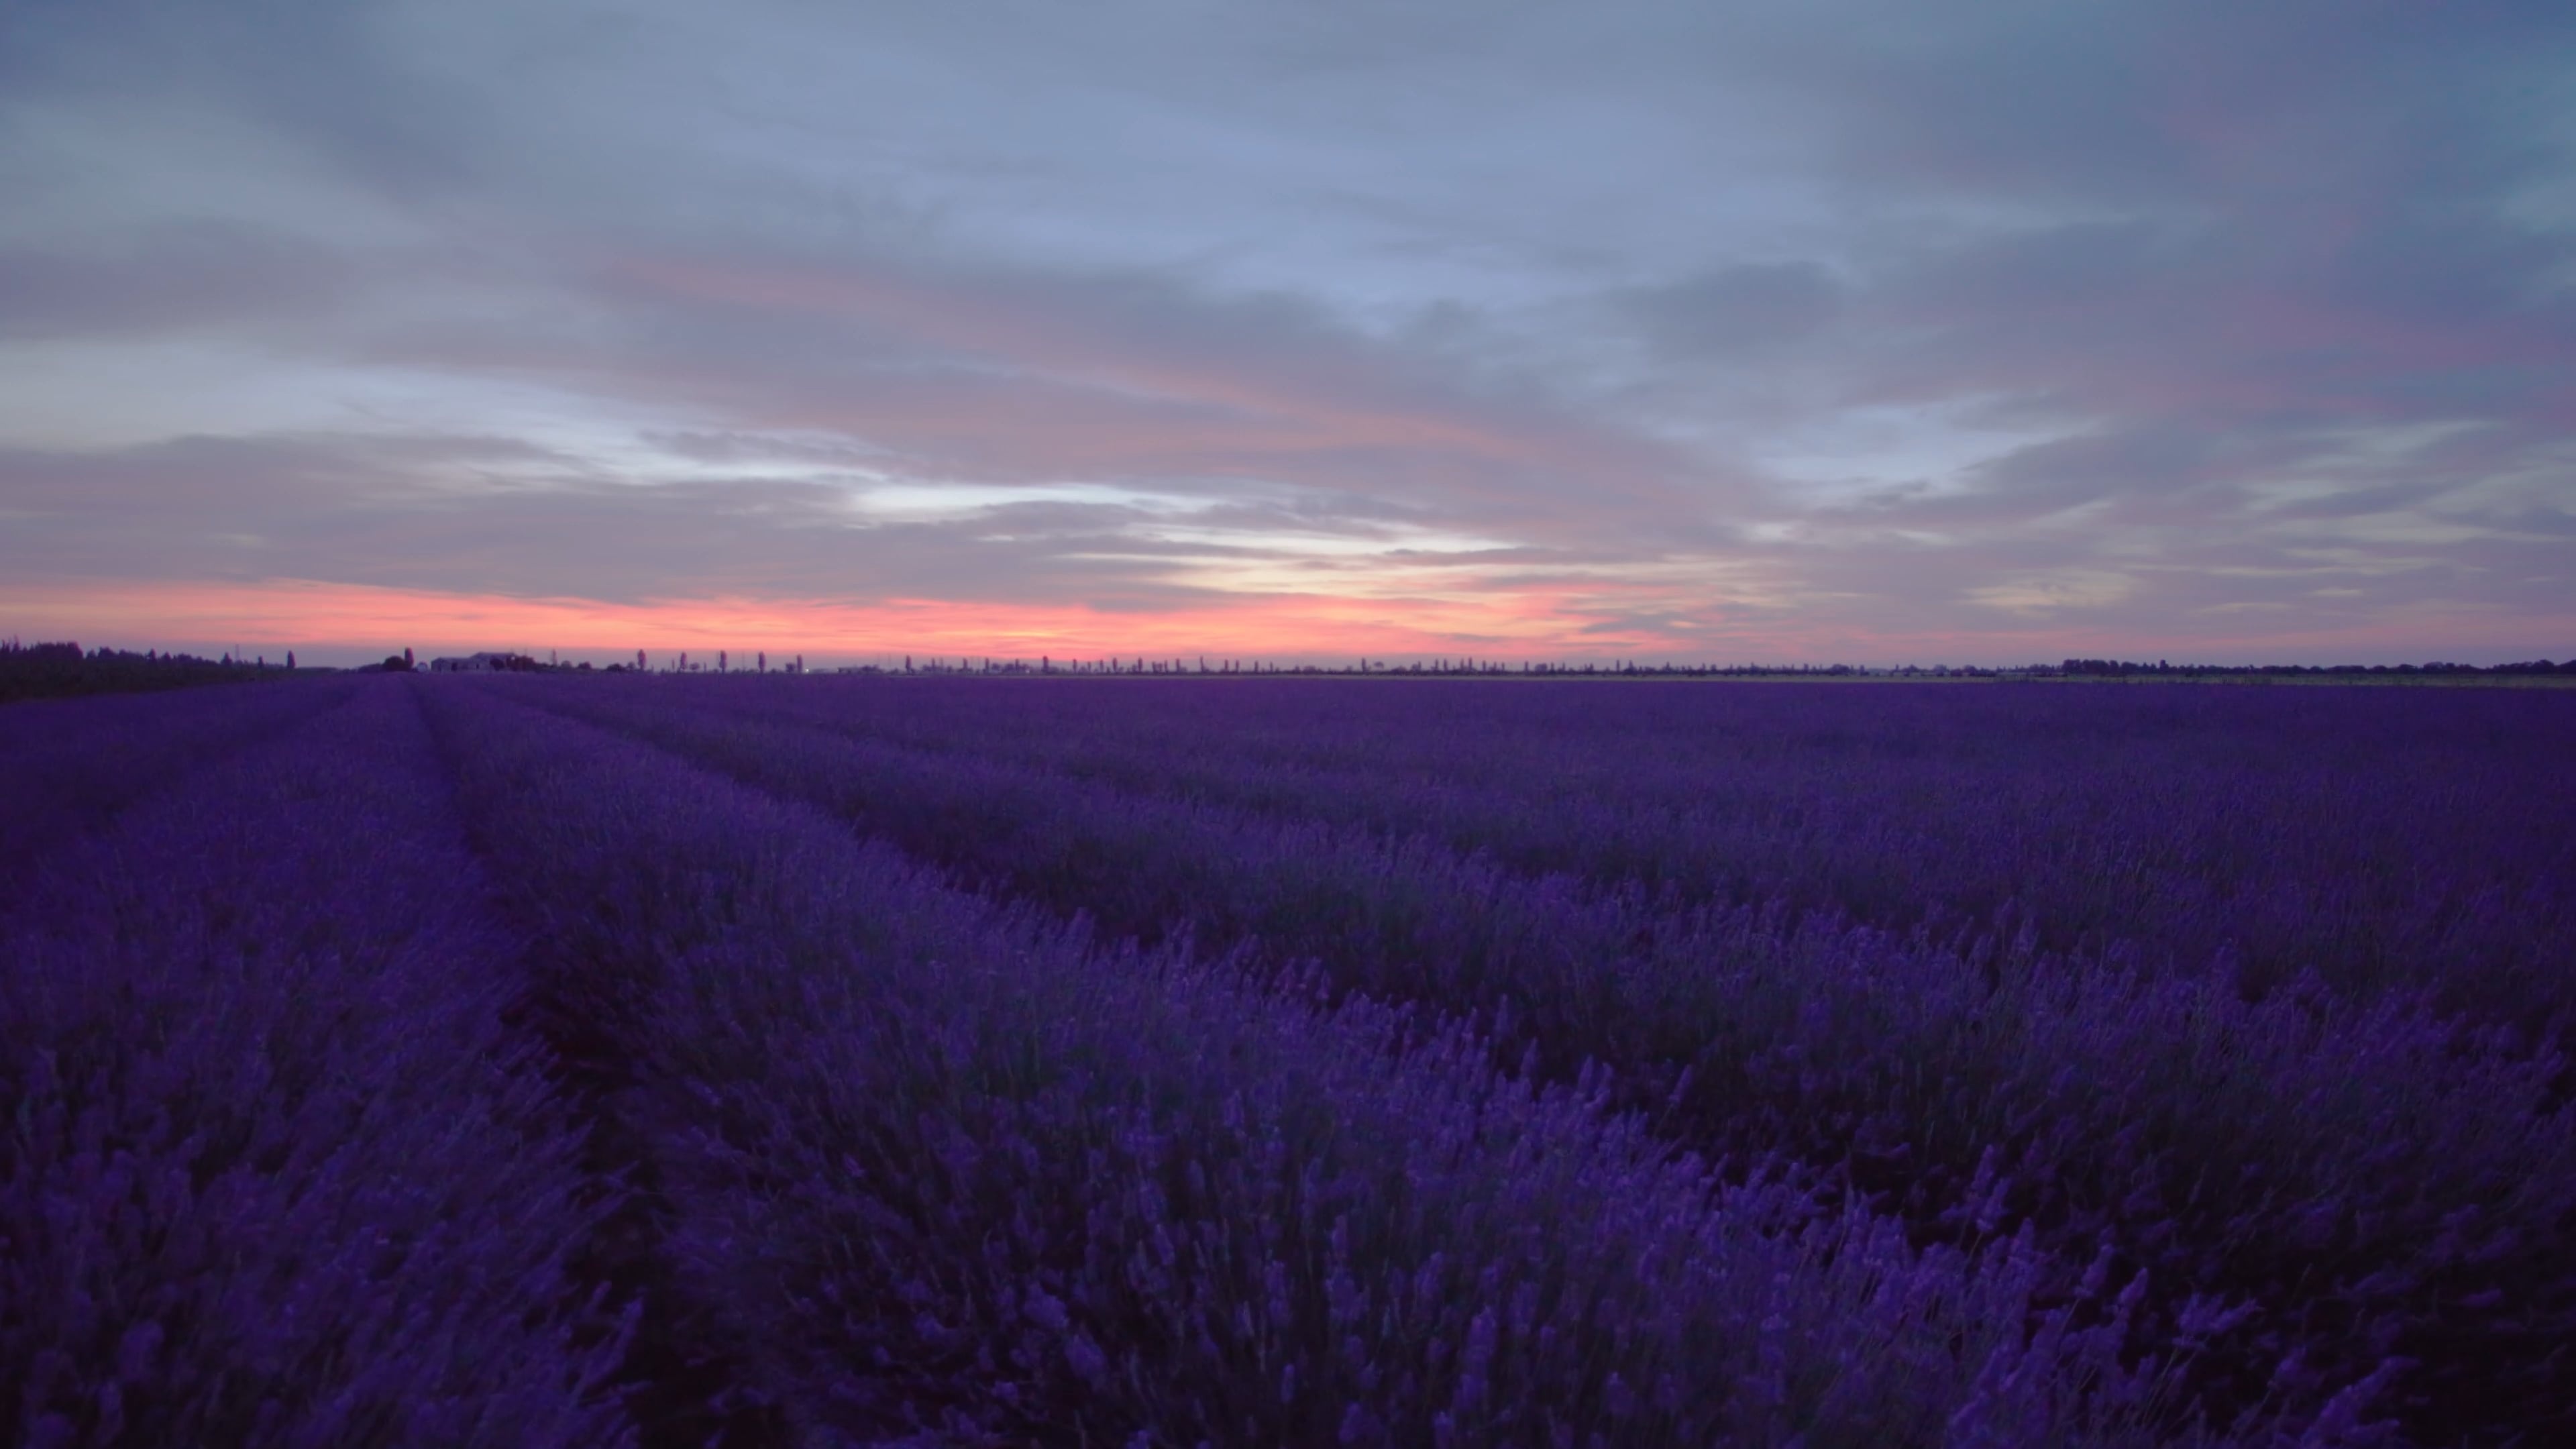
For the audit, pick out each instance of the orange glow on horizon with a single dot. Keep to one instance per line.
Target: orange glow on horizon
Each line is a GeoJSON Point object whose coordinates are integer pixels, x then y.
{"type": "Point", "coordinates": [333, 622]}
{"type": "Point", "coordinates": [360, 620]}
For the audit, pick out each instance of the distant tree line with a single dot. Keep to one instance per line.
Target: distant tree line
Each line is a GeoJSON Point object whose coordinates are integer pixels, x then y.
{"type": "Point", "coordinates": [1204, 665]}
{"type": "Point", "coordinates": [1445, 668]}
{"type": "Point", "coordinates": [1629, 669]}
{"type": "Point", "coordinates": [2122, 668]}
{"type": "Point", "coordinates": [40, 671]}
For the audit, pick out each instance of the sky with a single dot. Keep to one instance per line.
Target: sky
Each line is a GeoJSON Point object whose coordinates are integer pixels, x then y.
{"type": "Point", "coordinates": [1865, 331]}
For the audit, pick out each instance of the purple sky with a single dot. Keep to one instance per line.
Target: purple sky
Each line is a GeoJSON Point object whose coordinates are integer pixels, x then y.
{"type": "Point", "coordinates": [1881, 332]}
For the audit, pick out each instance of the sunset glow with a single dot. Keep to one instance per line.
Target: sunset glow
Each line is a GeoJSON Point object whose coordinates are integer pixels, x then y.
{"type": "Point", "coordinates": [1654, 330]}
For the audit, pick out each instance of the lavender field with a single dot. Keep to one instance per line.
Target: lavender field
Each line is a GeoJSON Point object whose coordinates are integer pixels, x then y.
{"type": "Point", "coordinates": [753, 1059]}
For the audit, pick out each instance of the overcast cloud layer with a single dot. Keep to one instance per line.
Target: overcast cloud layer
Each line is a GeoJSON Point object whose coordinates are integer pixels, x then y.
{"type": "Point", "coordinates": [1874, 331]}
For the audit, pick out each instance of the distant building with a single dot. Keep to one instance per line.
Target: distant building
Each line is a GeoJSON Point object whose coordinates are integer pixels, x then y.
{"type": "Point", "coordinates": [481, 664]}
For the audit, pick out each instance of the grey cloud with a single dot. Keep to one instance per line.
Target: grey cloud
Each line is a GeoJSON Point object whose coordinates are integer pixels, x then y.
{"type": "Point", "coordinates": [2158, 459]}
{"type": "Point", "coordinates": [2037, 272]}
{"type": "Point", "coordinates": [180, 275]}
{"type": "Point", "coordinates": [1741, 308]}
{"type": "Point", "coordinates": [741, 447]}
{"type": "Point", "coordinates": [419, 515]}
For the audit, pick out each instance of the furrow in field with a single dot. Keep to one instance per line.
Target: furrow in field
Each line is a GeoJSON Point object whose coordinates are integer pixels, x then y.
{"type": "Point", "coordinates": [682, 1385]}
{"type": "Point", "coordinates": [2245, 1153]}
{"type": "Point", "coordinates": [953, 1173]}
{"type": "Point", "coordinates": [278, 1173]}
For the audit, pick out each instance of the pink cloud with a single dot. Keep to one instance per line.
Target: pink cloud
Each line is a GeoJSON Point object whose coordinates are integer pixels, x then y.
{"type": "Point", "coordinates": [1095, 387]}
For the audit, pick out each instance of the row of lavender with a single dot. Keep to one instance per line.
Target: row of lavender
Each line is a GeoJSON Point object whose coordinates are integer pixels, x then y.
{"type": "Point", "coordinates": [2318, 1184]}
{"type": "Point", "coordinates": [275, 1172]}
{"type": "Point", "coordinates": [939, 1171]}
{"type": "Point", "coordinates": [2378, 837]}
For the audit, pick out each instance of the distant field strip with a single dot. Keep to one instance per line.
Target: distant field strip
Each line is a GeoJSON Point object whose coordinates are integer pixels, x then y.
{"type": "Point", "coordinates": [68, 765]}
{"type": "Point", "coordinates": [2377, 839]}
